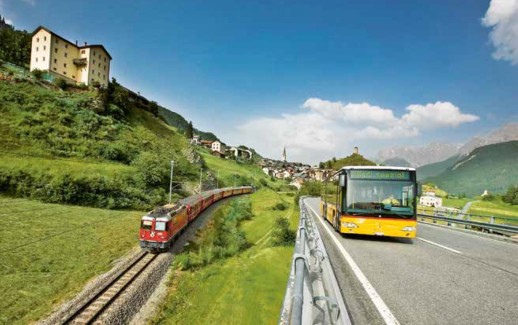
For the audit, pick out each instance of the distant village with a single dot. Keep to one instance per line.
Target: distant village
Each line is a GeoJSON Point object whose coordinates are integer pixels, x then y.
{"type": "Point", "coordinates": [296, 173]}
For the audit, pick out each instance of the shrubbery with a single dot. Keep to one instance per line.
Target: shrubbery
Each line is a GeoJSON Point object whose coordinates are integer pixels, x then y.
{"type": "Point", "coordinates": [312, 188]}
{"type": "Point", "coordinates": [118, 192]}
{"type": "Point", "coordinates": [221, 239]}
{"type": "Point", "coordinates": [511, 196]}
{"type": "Point", "coordinates": [282, 235]}
{"type": "Point", "coordinates": [280, 206]}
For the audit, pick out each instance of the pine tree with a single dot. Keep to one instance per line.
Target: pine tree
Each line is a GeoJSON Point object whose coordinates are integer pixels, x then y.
{"type": "Point", "coordinates": [189, 130]}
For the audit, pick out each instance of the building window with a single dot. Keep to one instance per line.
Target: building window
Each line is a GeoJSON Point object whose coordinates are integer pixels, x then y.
{"type": "Point", "coordinates": [94, 53]}
{"type": "Point", "coordinates": [93, 61]}
{"type": "Point", "coordinates": [104, 59]}
{"type": "Point", "coordinates": [45, 38]}
{"type": "Point", "coordinates": [57, 41]}
{"type": "Point", "coordinates": [98, 74]}
{"type": "Point", "coordinates": [36, 59]}
{"type": "Point", "coordinates": [55, 61]}
{"type": "Point", "coordinates": [105, 67]}
{"type": "Point", "coordinates": [55, 50]}
{"type": "Point", "coordinates": [65, 73]}
{"type": "Point", "coordinates": [37, 49]}
{"type": "Point", "coordinates": [64, 65]}
{"type": "Point", "coordinates": [104, 77]}
{"type": "Point", "coordinates": [66, 46]}
{"type": "Point", "coordinates": [74, 77]}
{"type": "Point", "coordinates": [99, 65]}
{"type": "Point", "coordinates": [82, 51]}
{"type": "Point", "coordinates": [66, 54]}
{"type": "Point", "coordinates": [38, 39]}
{"type": "Point", "coordinates": [43, 58]}
{"type": "Point", "coordinates": [99, 56]}
{"type": "Point", "coordinates": [44, 48]}
{"type": "Point", "coordinates": [54, 68]}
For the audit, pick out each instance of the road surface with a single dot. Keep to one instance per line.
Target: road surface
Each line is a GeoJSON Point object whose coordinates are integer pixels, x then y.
{"type": "Point", "coordinates": [441, 277]}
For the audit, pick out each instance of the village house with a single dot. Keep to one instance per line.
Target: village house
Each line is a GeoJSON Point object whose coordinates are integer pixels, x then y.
{"type": "Point", "coordinates": [195, 139]}
{"type": "Point", "coordinates": [206, 143]}
{"type": "Point", "coordinates": [60, 58]}
{"type": "Point", "coordinates": [429, 199]}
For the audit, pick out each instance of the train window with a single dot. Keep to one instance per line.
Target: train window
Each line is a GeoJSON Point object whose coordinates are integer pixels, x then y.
{"type": "Point", "coordinates": [146, 224]}
{"type": "Point", "coordinates": [160, 226]}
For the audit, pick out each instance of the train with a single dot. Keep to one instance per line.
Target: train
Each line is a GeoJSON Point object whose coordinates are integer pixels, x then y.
{"type": "Point", "coordinates": [161, 226]}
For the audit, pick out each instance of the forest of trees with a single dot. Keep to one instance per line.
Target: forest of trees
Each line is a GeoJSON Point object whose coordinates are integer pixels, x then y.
{"type": "Point", "coordinates": [15, 46]}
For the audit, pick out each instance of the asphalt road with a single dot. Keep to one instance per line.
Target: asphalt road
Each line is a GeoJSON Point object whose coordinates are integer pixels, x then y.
{"type": "Point", "coordinates": [441, 277]}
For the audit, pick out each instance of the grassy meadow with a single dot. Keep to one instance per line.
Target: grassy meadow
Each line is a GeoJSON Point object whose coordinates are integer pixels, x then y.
{"type": "Point", "coordinates": [247, 288]}
{"type": "Point", "coordinates": [50, 251]}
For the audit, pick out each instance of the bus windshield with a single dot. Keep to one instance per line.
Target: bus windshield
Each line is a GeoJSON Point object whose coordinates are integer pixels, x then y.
{"type": "Point", "coordinates": [390, 198]}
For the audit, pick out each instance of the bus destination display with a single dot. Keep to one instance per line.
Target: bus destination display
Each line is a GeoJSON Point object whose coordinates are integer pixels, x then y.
{"type": "Point", "coordinates": [396, 175]}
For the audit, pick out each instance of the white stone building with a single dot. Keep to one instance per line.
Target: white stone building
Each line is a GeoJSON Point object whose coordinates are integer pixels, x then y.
{"type": "Point", "coordinates": [61, 58]}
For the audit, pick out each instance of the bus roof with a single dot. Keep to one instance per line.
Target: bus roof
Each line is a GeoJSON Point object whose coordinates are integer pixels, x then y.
{"type": "Point", "coordinates": [377, 168]}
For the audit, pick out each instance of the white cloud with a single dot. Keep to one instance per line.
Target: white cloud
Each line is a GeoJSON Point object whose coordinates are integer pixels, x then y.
{"type": "Point", "coordinates": [31, 2]}
{"type": "Point", "coordinates": [502, 16]}
{"type": "Point", "coordinates": [327, 128]}
{"type": "Point", "coordinates": [352, 113]}
{"type": "Point", "coordinates": [439, 114]}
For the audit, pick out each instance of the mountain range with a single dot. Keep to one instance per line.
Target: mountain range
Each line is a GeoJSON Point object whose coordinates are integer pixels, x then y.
{"type": "Point", "coordinates": [492, 167]}
{"type": "Point", "coordinates": [437, 152]}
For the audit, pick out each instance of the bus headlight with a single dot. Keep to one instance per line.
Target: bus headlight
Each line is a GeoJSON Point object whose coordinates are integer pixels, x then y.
{"type": "Point", "coordinates": [408, 229]}
{"type": "Point", "coordinates": [349, 225]}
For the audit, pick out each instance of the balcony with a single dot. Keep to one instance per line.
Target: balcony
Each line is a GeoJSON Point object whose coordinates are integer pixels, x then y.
{"type": "Point", "coordinates": [82, 62]}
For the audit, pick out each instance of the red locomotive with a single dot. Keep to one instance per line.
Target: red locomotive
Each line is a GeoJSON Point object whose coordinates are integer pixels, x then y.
{"type": "Point", "coordinates": [160, 227]}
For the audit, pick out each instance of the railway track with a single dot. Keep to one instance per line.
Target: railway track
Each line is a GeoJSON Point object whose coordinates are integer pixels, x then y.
{"type": "Point", "coordinates": [90, 311]}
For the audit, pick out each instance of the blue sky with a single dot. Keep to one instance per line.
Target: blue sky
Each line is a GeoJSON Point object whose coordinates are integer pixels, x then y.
{"type": "Point", "coordinates": [316, 76]}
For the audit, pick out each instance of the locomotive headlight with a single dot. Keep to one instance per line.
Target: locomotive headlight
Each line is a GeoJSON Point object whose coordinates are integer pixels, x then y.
{"type": "Point", "coordinates": [349, 225]}
{"type": "Point", "coordinates": [408, 229]}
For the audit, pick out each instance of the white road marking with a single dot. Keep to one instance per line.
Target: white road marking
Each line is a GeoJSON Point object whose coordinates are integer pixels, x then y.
{"type": "Point", "coordinates": [380, 305]}
{"type": "Point", "coordinates": [439, 245]}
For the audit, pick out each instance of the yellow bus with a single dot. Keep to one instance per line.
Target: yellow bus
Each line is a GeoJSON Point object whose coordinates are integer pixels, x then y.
{"type": "Point", "coordinates": [371, 200]}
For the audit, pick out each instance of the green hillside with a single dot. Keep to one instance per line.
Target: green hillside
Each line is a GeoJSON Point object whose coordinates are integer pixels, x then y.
{"type": "Point", "coordinates": [491, 168]}
{"type": "Point", "coordinates": [179, 122]}
{"type": "Point", "coordinates": [435, 168]}
{"type": "Point", "coordinates": [60, 147]}
{"type": "Point", "coordinates": [352, 160]}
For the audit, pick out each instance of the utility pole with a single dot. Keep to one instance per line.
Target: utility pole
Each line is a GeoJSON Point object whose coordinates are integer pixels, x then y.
{"type": "Point", "coordinates": [171, 181]}
{"type": "Point", "coordinates": [201, 173]}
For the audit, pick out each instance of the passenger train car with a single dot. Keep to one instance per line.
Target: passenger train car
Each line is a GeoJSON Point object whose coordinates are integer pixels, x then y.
{"type": "Point", "coordinates": [160, 227]}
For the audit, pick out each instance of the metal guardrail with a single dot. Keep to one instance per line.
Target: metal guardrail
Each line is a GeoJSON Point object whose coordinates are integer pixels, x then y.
{"type": "Point", "coordinates": [312, 294]}
{"type": "Point", "coordinates": [490, 227]}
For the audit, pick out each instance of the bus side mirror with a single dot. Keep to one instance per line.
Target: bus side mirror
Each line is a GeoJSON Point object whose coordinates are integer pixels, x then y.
{"type": "Point", "coordinates": [341, 180]}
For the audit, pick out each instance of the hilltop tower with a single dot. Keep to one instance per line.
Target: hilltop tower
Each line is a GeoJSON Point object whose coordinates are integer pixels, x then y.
{"type": "Point", "coordinates": [284, 155]}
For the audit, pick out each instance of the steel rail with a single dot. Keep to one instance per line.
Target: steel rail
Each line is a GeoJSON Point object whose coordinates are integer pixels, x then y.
{"type": "Point", "coordinates": [81, 316]}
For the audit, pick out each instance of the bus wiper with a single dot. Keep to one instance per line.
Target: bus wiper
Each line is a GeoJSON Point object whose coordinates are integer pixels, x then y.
{"type": "Point", "coordinates": [404, 216]}
{"type": "Point", "coordinates": [361, 213]}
